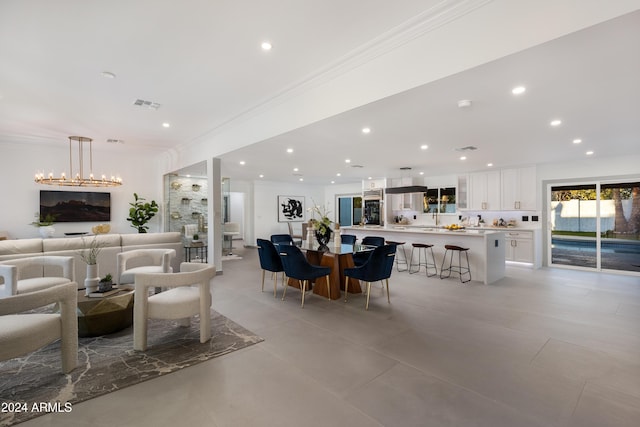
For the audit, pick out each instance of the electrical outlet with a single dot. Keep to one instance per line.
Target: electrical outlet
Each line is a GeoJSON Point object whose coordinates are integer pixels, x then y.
{"type": "Point", "coordinates": [525, 218]}
{"type": "Point", "coordinates": [534, 218]}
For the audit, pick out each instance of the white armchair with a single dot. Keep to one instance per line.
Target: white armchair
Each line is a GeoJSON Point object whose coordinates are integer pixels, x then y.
{"type": "Point", "coordinates": [129, 263]}
{"type": "Point", "coordinates": [23, 333]}
{"type": "Point", "coordinates": [189, 294]}
{"type": "Point", "coordinates": [40, 269]}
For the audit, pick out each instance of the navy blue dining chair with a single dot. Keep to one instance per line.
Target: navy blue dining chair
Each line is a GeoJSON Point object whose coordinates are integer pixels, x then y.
{"type": "Point", "coordinates": [359, 258]}
{"type": "Point", "coordinates": [348, 239]}
{"type": "Point", "coordinates": [270, 261]}
{"type": "Point", "coordinates": [282, 239]}
{"type": "Point", "coordinates": [378, 267]}
{"type": "Point", "coordinates": [297, 267]}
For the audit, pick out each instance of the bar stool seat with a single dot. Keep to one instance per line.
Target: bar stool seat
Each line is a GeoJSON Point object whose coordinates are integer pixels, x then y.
{"type": "Point", "coordinates": [422, 248]}
{"type": "Point", "coordinates": [459, 268]}
{"type": "Point", "coordinates": [400, 245]}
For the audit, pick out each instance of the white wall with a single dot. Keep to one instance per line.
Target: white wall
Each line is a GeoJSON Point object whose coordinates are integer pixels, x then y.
{"type": "Point", "coordinates": [20, 195]}
{"type": "Point", "coordinates": [266, 206]}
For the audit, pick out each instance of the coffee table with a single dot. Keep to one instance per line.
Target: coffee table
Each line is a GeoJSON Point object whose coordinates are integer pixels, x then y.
{"type": "Point", "coordinates": [102, 316]}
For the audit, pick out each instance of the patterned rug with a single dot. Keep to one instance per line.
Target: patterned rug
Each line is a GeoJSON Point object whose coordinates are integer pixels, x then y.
{"type": "Point", "coordinates": [34, 385]}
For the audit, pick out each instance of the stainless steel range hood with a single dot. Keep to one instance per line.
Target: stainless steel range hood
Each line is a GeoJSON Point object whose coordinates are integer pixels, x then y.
{"type": "Point", "coordinates": [406, 189]}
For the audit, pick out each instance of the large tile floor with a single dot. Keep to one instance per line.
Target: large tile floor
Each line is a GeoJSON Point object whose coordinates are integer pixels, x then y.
{"type": "Point", "coordinates": [541, 347]}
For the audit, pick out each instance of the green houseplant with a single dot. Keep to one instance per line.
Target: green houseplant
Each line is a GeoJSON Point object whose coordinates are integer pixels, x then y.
{"type": "Point", "coordinates": [106, 283]}
{"type": "Point", "coordinates": [141, 212]}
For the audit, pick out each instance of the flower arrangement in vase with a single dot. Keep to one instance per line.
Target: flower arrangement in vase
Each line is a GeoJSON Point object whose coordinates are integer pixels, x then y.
{"type": "Point", "coordinates": [321, 226]}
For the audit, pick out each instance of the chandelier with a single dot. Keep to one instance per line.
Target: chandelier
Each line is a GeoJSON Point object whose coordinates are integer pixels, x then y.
{"type": "Point", "coordinates": [78, 180]}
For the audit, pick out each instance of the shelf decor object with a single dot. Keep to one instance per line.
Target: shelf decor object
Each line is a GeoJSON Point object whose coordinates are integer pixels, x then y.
{"type": "Point", "coordinates": [78, 180]}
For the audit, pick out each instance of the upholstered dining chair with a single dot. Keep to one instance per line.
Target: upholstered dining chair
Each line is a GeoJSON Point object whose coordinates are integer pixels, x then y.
{"type": "Point", "coordinates": [378, 267]}
{"type": "Point", "coordinates": [24, 275]}
{"type": "Point", "coordinates": [297, 267]}
{"type": "Point", "coordinates": [297, 238]}
{"type": "Point", "coordinates": [348, 239]}
{"type": "Point", "coordinates": [360, 258]}
{"type": "Point", "coordinates": [281, 239]}
{"type": "Point", "coordinates": [270, 261]}
{"type": "Point", "coordinates": [187, 294]}
{"type": "Point", "coordinates": [21, 333]}
{"type": "Point", "coordinates": [129, 263]}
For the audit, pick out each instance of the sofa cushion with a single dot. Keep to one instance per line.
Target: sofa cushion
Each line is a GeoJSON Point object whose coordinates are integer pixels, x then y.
{"type": "Point", "coordinates": [20, 247]}
{"type": "Point", "coordinates": [142, 239]}
{"type": "Point", "coordinates": [78, 243]}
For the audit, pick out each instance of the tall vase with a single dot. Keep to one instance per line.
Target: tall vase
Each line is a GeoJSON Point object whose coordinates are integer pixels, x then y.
{"type": "Point", "coordinates": [92, 280]}
{"type": "Point", "coordinates": [323, 238]}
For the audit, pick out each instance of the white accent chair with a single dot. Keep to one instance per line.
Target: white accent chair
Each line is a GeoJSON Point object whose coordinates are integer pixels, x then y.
{"type": "Point", "coordinates": [189, 294]}
{"type": "Point", "coordinates": [229, 230]}
{"type": "Point", "coordinates": [22, 333]}
{"type": "Point", "coordinates": [22, 275]}
{"type": "Point", "coordinates": [130, 263]}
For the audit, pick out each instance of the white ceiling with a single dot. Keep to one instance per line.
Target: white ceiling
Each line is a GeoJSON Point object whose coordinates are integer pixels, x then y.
{"type": "Point", "coordinates": [201, 61]}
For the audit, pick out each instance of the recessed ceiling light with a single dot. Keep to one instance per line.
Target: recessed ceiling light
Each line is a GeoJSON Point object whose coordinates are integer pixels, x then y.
{"type": "Point", "coordinates": [333, 182]}
{"type": "Point", "coordinates": [242, 162]}
{"type": "Point", "coordinates": [518, 90]}
{"type": "Point", "coordinates": [289, 150]}
{"type": "Point", "coordinates": [463, 158]}
{"type": "Point", "coordinates": [369, 178]}
{"type": "Point", "coordinates": [295, 169]}
{"type": "Point", "coordinates": [464, 103]}
{"type": "Point", "coordinates": [301, 179]}
{"type": "Point", "coordinates": [490, 164]}
{"type": "Point", "coordinates": [577, 141]}
{"type": "Point", "coordinates": [261, 176]}
{"type": "Point", "coordinates": [108, 75]}
{"type": "Point", "coordinates": [421, 173]}
{"type": "Point", "coordinates": [266, 45]}
{"type": "Point", "coordinates": [424, 146]}
{"type": "Point", "coordinates": [556, 122]}
{"type": "Point", "coordinates": [166, 125]}
{"type": "Point", "coordinates": [589, 153]}
{"type": "Point", "coordinates": [347, 160]}
{"type": "Point", "coordinates": [366, 130]}
{"type": "Point", "coordinates": [338, 174]}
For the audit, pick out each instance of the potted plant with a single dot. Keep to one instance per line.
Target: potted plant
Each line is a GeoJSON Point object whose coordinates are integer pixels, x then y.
{"type": "Point", "coordinates": [141, 212]}
{"type": "Point", "coordinates": [45, 224]}
{"type": "Point", "coordinates": [90, 256]}
{"type": "Point", "coordinates": [195, 237]}
{"type": "Point", "coordinates": [106, 283]}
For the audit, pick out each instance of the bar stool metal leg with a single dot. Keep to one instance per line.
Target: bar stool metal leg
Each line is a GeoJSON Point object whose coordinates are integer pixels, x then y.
{"type": "Point", "coordinates": [460, 269]}
{"type": "Point", "coordinates": [400, 260]}
{"type": "Point", "coordinates": [422, 249]}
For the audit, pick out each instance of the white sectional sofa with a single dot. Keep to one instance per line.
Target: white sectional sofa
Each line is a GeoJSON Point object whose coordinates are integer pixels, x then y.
{"type": "Point", "coordinates": [111, 245]}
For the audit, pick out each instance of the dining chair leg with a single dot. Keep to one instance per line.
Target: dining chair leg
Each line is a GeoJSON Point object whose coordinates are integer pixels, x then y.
{"type": "Point", "coordinates": [328, 287]}
{"type": "Point", "coordinates": [263, 272]}
{"type": "Point", "coordinates": [346, 289]}
{"type": "Point", "coordinates": [275, 284]}
{"type": "Point", "coordinates": [366, 307]}
{"type": "Point", "coordinates": [388, 298]}
{"type": "Point", "coordinates": [285, 292]}
{"type": "Point", "coordinates": [304, 289]}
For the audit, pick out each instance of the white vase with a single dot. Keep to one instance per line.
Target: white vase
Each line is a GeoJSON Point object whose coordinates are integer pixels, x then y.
{"type": "Point", "coordinates": [46, 231]}
{"type": "Point", "coordinates": [92, 280]}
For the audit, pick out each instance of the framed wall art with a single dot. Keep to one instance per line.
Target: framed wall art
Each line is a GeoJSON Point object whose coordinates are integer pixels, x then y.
{"type": "Point", "coordinates": [290, 208]}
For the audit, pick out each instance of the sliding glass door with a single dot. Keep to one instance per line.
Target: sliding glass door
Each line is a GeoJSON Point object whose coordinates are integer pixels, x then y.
{"type": "Point", "coordinates": [595, 225]}
{"type": "Point", "coordinates": [349, 210]}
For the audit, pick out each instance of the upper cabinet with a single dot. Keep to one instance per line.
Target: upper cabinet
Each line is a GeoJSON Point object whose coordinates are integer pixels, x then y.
{"type": "Point", "coordinates": [484, 191]}
{"type": "Point", "coordinates": [519, 189]}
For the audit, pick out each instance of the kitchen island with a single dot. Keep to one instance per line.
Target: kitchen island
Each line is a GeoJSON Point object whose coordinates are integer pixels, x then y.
{"type": "Point", "coordinates": [486, 247]}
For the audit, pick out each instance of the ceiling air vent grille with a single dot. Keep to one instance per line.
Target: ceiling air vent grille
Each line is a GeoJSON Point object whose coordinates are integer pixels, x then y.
{"type": "Point", "coordinates": [148, 104]}
{"type": "Point", "coordinates": [467, 148]}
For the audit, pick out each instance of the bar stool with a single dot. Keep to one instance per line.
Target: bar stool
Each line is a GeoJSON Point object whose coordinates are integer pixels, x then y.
{"type": "Point", "coordinates": [460, 269]}
{"type": "Point", "coordinates": [422, 248]}
{"type": "Point", "coordinates": [400, 245]}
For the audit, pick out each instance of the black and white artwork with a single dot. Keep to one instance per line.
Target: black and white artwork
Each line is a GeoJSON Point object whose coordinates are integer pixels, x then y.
{"type": "Point", "coordinates": [290, 208]}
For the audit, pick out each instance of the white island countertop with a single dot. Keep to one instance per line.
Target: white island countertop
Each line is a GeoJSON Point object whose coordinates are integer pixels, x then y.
{"type": "Point", "coordinates": [486, 246]}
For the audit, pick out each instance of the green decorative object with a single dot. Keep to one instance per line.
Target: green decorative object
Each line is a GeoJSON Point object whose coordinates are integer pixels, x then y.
{"type": "Point", "coordinates": [141, 212]}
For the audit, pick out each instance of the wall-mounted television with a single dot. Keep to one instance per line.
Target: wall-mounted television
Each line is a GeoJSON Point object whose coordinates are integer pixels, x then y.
{"type": "Point", "coordinates": [75, 206]}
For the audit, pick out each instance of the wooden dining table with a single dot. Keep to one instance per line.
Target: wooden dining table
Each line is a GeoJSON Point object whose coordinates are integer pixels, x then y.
{"type": "Point", "coordinates": [337, 258]}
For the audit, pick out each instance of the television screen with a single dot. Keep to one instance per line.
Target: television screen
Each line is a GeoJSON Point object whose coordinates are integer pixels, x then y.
{"type": "Point", "coordinates": [75, 206]}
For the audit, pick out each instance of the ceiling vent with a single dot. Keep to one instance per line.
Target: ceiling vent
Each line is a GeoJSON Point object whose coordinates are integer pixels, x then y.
{"type": "Point", "coordinates": [357, 166]}
{"type": "Point", "coordinates": [467, 148]}
{"type": "Point", "coordinates": [115, 141]}
{"type": "Point", "coordinates": [150, 105]}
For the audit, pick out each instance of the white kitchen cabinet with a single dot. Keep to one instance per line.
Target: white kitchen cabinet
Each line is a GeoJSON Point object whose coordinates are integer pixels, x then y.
{"type": "Point", "coordinates": [519, 189]}
{"type": "Point", "coordinates": [519, 246]}
{"type": "Point", "coordinates": [484, 191]}
{"type": "Point", "coordinates": [462, 196]}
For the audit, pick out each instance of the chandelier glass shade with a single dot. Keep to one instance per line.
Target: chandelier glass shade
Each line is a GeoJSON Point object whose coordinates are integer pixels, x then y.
{"type": "Point", "coordinates": [78, 180]}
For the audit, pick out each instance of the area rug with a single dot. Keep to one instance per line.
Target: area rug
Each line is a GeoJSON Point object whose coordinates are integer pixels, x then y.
{"type": "Point", "coordinates": [109, 363]}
